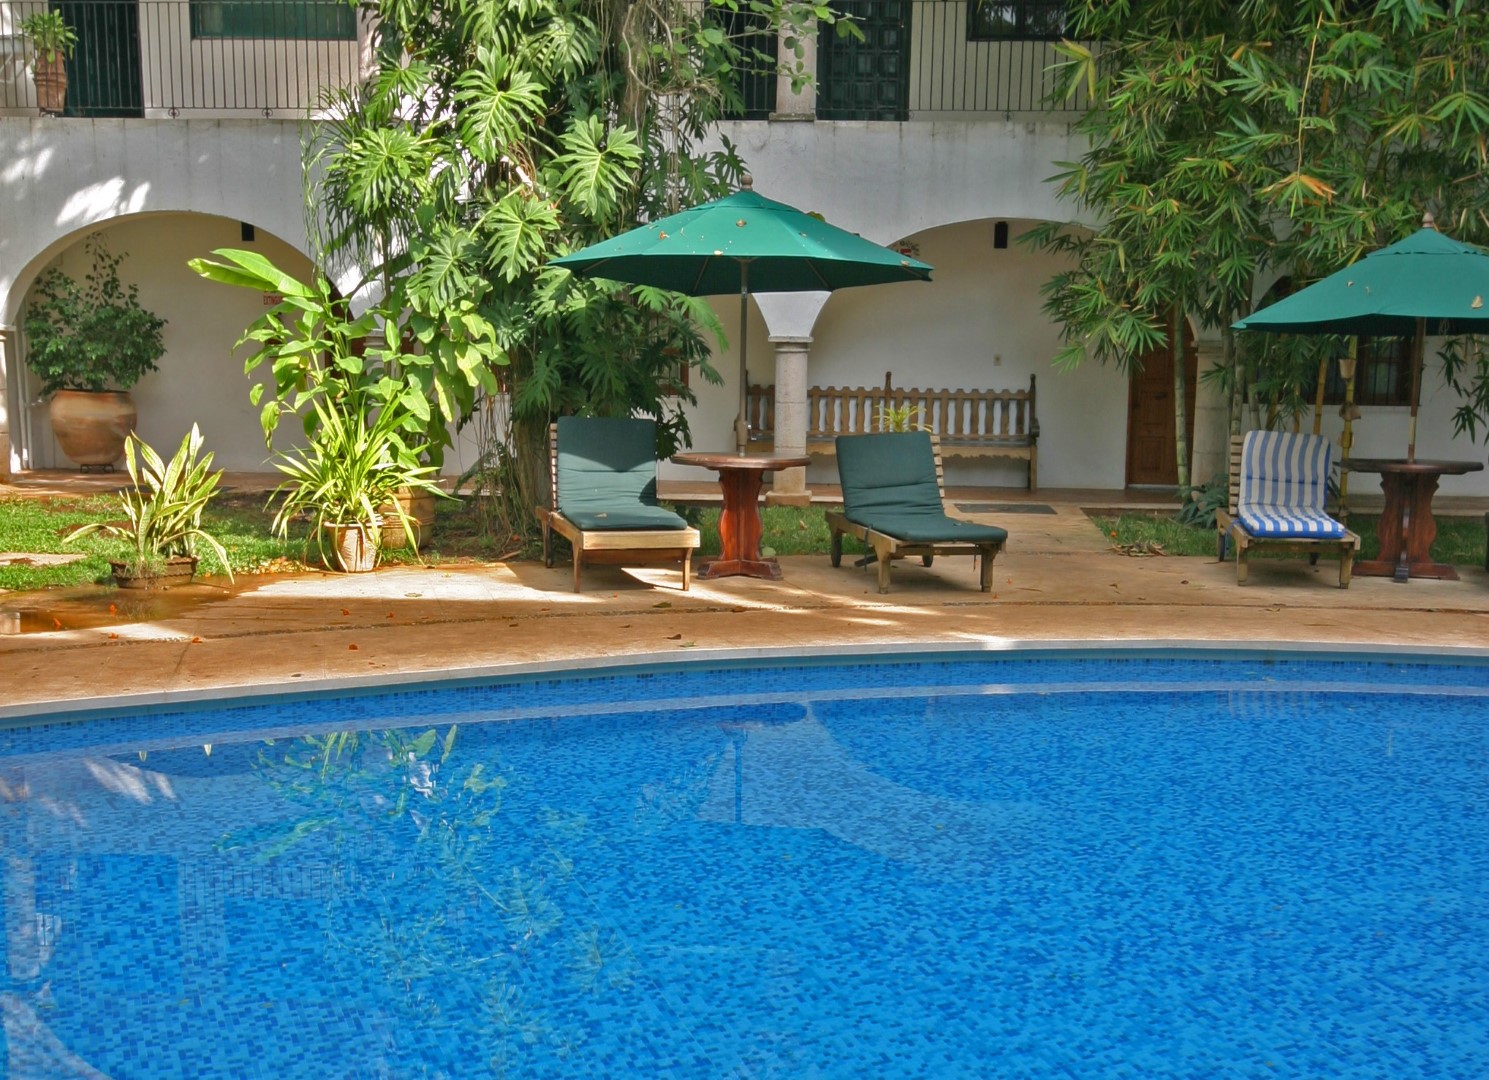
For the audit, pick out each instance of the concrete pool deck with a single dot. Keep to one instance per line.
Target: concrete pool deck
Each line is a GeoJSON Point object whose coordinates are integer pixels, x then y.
{"type": "Point", "coordinates": [1057, 582]}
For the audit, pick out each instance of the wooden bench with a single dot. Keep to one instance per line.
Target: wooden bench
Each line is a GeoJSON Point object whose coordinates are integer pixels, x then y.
{"type": "Point", "coordinates": [969, 423]}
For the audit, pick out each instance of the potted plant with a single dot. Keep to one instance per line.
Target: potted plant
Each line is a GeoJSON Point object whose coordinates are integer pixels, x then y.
{"type": "Point", "coordinates": [53, 41]}
{"type": "Point", "coordinates": [349, 473]}
{"type": "Point", "coordinates": [163, 509]}
{"type": "Point", "coordinates": [361, 392]}
{"type": "Point", "coordinates": [88, 343]}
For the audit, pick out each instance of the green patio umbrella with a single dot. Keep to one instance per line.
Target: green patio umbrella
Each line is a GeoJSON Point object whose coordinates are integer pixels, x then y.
{"type": "Point", "coordinates": [737, 243]}
{"type": "Point", "coordinates": [1425, 284]}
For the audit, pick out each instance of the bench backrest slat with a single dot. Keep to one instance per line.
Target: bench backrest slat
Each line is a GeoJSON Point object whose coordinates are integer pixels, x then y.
{"type": "Point", "coordinates": [954, 415]}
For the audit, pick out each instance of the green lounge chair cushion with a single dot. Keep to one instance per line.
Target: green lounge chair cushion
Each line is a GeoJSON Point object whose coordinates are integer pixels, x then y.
{"type": "Point", "coordinates": [607, 474]}
{"type": "Point", "coordinates": [889, 485]}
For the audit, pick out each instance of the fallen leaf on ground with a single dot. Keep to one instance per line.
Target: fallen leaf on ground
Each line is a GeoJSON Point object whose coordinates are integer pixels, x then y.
{"type": "Point", "coordinates": [674, 637]}
{"type": "Point", "coordinates": [663, 604]}
{"type": "Point", "coordinates": [351, 648]}
{"type": "Point", "coordinates": [346, 611]}
{"type": "Point", "coordinates": [113, 609]}
{"type": "Point", "coordinates": [1141, 548]}
{"type": "Point", "coordinates": [196, 641]}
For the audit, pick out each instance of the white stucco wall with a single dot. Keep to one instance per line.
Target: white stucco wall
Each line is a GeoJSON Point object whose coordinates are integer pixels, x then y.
{"type": "Point", "coordinates": [60, 176]}
{"type": "Point", "coordinates": [941, 184]}
{"type": "Point", "coordinates": [946, 187]}
{"type": "Point", "coordinates": [889, 181]}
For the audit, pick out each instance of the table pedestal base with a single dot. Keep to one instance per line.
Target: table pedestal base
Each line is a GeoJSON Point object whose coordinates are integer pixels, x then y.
{"type": "Point", "coordinates": [740, 529]}
{"type": "Point", "coordinates": [1406, 531]}
{"type": "Point", "coordinates": [1405, 571]}
{"type": "Point", "coordinates": [713, 568]}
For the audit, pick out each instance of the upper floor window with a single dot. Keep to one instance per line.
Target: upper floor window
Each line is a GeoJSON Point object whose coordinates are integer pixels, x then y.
{"type": "Point", "coordinates": [332, 20]}
{"type": "Point", "coordinates": [1015, 20]}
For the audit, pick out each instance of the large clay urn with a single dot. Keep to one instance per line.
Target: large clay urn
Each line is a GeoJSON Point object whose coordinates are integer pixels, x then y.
{"type": "Point", "coordinates": [50, 78]}
{"type": "Point", "coordinates": [91, 425]}
{"type": "Point", "coordinates": [419, 505]}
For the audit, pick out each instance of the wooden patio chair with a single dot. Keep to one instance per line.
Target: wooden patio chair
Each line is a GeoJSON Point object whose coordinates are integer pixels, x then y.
{"type": "Point", "coordinates": [892, 502]}
{"type": "Point", "coordinates": [604, 497]}
{"type": "Point", "coordinates": [1278, 484]}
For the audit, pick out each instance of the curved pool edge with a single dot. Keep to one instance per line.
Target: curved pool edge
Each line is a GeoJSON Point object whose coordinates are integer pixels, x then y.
{"type": "Point", "coordinates": [96, 706]}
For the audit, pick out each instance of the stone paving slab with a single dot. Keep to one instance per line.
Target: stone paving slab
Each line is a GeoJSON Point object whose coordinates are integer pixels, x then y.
{"type": "Point", "coordinates": [410, 623]}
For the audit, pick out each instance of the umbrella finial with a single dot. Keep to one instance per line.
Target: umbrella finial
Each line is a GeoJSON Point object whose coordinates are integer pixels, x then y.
{"type": "Point", "coordinates": [746, 182]}
{"type": "Point", "coordinates": [1428, 221]}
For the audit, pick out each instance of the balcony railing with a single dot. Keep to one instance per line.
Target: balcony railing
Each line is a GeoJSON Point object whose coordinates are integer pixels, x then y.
{"type": "Point", "coordinates": [919, 60]}
{"type": "Point", "coordinates": [163, 58]}
{"type": "Point", "coordinates": [166, 58]}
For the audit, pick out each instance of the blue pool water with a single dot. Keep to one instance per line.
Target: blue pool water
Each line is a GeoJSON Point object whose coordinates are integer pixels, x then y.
{"type": "Point", "coordinates": [1079, 866]}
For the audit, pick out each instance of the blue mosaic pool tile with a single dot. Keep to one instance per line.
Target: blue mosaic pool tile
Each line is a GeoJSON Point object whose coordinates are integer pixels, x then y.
{"type": "Point", "coordinates": [1156, 868]}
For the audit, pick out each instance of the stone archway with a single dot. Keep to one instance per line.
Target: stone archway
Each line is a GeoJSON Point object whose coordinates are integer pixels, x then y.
{"type": "Point", "coordinates": [199, 378]}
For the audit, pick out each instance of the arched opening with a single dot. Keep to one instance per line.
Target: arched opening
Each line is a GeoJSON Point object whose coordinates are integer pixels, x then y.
{"type": "Point", "coordinates": [199, 379]}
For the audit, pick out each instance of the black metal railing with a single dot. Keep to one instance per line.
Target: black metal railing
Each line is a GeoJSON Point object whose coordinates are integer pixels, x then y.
{"type": "Point", "coordinates": [185, 57]}
{"type": "Point", "coordinates": [919, 59]}
{"type": "Point", "coordinates": [758, 47]}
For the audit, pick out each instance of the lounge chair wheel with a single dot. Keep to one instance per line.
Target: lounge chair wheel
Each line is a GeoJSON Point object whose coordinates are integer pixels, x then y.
{"type": "Point", "coordinates": [926, 560]}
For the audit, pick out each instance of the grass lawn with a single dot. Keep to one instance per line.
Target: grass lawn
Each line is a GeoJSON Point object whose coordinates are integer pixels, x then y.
{"type": "Point", "coordinates": [1460, 541]}
{"type": "Point", "coordinates": [241, 523]}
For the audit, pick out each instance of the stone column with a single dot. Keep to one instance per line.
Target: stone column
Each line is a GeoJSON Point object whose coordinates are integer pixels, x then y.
{"type": "Point", "coordinates": [796, 104]}
{"type": "Point", "coordinates": [1209, 457]}
{"type": "Point", "coordinates": [789, 488]}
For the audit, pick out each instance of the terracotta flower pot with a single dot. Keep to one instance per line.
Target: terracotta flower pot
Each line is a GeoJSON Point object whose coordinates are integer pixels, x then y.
{"type": "Point", "coordinates": [354, 547]}
{"type": "Point", "coordinates": [91, 426]}
{"type": "Point", "coordinates": [176, 571]}
{"type": "Point", "coordinates": [418, 505]}
{"type": "Point", "coordinates": [50, 79]}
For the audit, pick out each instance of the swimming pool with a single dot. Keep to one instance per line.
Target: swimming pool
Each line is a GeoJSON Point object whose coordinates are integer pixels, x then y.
{"type": "Point", "coordinates": [1145, 866]}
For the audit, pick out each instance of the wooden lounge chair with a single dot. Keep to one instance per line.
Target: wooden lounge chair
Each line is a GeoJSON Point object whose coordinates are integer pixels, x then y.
{"type": "Point", "coordinates": [892, 502]}
{"type": "Point", "coordinates": [1278, 483]}
{"type": "Point", "coordinates": [604, 497]}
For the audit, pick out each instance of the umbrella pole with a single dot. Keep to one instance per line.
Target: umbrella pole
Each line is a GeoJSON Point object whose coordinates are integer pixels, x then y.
{"type": "Point", "coordinates": [741, 423]}
{"type": "Point", "coordinates": [1418, 346]}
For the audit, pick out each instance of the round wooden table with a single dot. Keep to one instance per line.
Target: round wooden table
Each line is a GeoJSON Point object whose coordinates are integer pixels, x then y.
{"type": "Point", "coordinates": [740, 477]}
{"type": "Point", "coordinates": [1407, 527]}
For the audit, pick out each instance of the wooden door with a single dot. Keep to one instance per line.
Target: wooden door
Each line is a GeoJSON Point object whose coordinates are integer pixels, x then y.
{"type": "Point", "coordinates": [1151, 452]}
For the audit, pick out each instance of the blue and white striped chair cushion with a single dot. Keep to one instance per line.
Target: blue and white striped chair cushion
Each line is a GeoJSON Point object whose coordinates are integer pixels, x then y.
{"type": "Point", "coordinates": [1282, 521]}
{"type": "Point", "coordinates": [1283, 484]}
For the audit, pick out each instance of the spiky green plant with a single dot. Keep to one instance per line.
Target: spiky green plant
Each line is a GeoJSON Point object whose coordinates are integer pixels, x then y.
{"type": "Point", "coordinates": [164, 504]}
